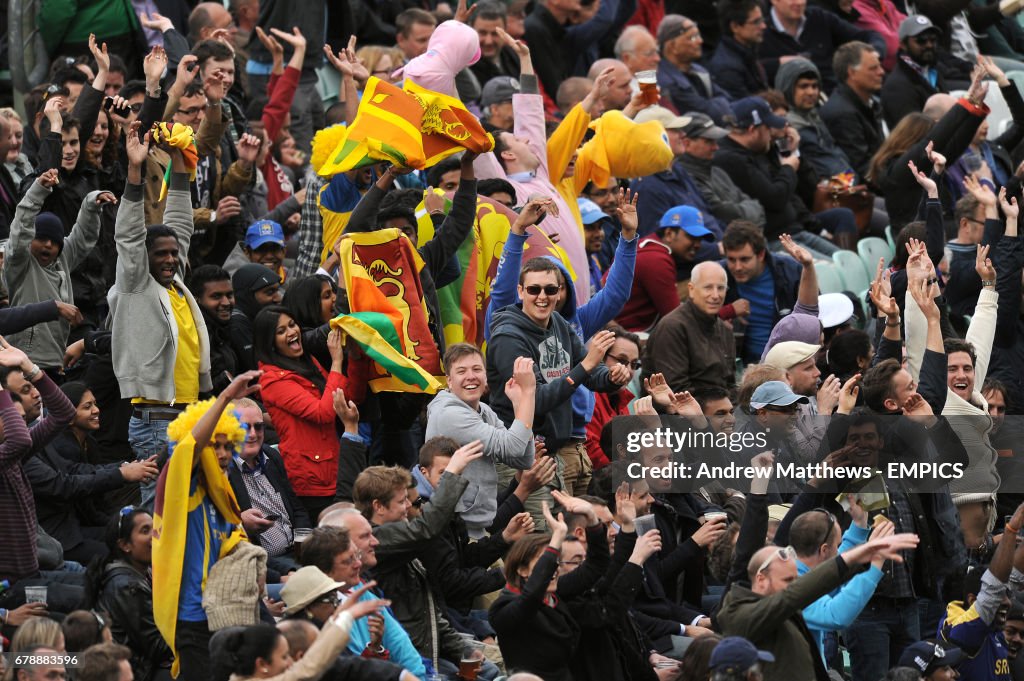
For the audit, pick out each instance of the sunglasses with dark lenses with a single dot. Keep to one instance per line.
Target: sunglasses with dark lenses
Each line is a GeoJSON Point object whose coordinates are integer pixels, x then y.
{"type": "Point", "coordinates": [831, 524]}
{"type": "Point", "coordinates": [418, 503]}
{"type": "Point", "coordinates": [332, 599]}
{"type": "Point", "coordinates": [122, 514]}
{"type": "Point", "coordinates": [256, 427]}
{"type": "Point", "coordinates": [549, 290]}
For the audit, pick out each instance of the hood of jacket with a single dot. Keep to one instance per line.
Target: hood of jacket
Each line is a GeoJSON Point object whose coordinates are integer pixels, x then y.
{"type": "Point", "coordinates": [568, 310]}
{"type": "Point", "coordinates": [794, 327]}
{"type": "Point", "coordinates": [790, 72]}
{"type": "Point", "coordinates": [453, 46]}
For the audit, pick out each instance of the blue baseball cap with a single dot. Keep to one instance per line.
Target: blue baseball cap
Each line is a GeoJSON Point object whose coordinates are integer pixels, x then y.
{"type": "Point", "coordinates": [774, 394]}
{"type": "Point", "coordinates": [755, 111]}
{"type": "Point", "coordinates": [738, 654]}
{"type": "Point", "coordinates": [927, 656]}
{"type": "Point", "coordinates": [264, 232]}
{"type": "Point", "coordinates": [688, 219]}
{"type": "Point", "coordinates": [590, 211]}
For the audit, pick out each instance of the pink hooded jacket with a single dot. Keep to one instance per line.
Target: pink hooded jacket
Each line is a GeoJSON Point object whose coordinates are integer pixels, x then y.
{"type": "Point", "coordinates": [452, 47]}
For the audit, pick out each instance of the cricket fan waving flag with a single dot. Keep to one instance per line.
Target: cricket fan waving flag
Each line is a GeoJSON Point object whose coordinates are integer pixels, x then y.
{"type": "Point", "coordinates": [411, 127]}
{"type": "Point", "coordinates": [196, 522]}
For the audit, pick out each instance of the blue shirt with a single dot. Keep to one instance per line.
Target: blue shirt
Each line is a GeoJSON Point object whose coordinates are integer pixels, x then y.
{"type": "Point", "coordinates": [760, 293]}
{"type": "Point", "coordinates": [207, 531]}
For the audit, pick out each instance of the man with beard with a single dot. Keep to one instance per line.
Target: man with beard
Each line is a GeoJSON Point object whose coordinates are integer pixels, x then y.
{"type": "Point", "coordinates": [1013, 635]}
{"type": "Point", "coordinates": [916, 76]}
{"type": "Point", "coordinates": [211, 287]}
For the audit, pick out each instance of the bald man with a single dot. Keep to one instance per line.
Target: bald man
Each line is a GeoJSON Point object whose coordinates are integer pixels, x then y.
{"type": "Point", "coordinates": [768, 611]}
{"type": "Point", "coordinates": [208, 17]}
{"type": "Point", "coordinates": [620, 90]}
{"type": "Point", "coordinates": [691, 346]}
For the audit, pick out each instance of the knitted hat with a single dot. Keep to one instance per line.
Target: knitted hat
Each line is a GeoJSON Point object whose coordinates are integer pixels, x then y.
{"type": "Point", "coordinates": [49, 226]}
{"type": "Point", "coordinates": [232, 594]}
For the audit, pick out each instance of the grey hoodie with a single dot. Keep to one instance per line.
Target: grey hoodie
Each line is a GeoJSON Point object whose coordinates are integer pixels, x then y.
{"type": "Point", "coordinates": [449, 416]}
{"type": "Point", "coordinates": [557, 352]}
{"type": "Point", "coordinates": [817, 146]}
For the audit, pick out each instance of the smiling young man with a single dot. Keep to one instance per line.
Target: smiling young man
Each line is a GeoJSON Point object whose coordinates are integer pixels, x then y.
{"type": "Point", "coordinates": [161, 349]}
{"type": "Point", "coordinates": [561, 363]}
{"type": "Point", "coordinates": [458, 413]}
{"type": "Point", "coordinates": [211, 287]}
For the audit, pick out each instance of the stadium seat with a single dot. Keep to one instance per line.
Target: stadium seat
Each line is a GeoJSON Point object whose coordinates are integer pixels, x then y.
{"type": "Point", "coordinates": [870, 249]}
{"type": "Point", "coordinates": [829, 280]}
{"type": "Point", "coordinates": [891, 239]}
{"type": "Point", "coordinates": [851, 269]}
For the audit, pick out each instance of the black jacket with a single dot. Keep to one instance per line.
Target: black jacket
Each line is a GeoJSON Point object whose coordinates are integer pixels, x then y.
{"type": "Point", "coordinates": [127, 595]}
{"type": "Point", "coordinates": [15, 319]}
{"type": "Point", "coordinates": [546, 38]}
{"type": "Point", "coordinates": [855, 126]}
{"type": "Point", "coordinates": [9, 196]}
{"type": "Point", "coordinates": [224, 362]}
{"type": "Point", "coordinates": [952, 134]}
{"type": "Point", "coordinates": [737, 70]}
{"type": "Point", "coordinates": [773, 184]}
{"type": "Point", "coordinates": [62, 489]}
{"type": "Point", "coordinates": [905, 91]}
{"type": "Point", "coordinates": [822, 34]}
{"type": "Point", "coordinates": [278, 478]}
{"type": "Point", "coordinates": [508, 65]}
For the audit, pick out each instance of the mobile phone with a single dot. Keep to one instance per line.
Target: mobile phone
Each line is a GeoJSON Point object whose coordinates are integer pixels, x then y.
{"type": "Point", "coordinates": [123, 111]}
{"type": "Point", "coordinates": [192, 66]}
{"type": "Point", "coordinates": [254, 382]}
{"type": "Point", "coordinates": [272, 517]}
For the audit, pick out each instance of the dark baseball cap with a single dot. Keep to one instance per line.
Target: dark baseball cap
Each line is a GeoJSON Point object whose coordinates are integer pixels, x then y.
{"type": "Point", "coordinates": [738, 654]}
{"type": "Point", "coordinates": [701, 125]}
{"type": "Point", "coordinates": [916, 24]}
{"type": "Point", "coordinates": [755, 111]}
{"type": "Point", "coordinates": [499, 89]}
{"type": "Point", "coordinates": [927, 656]}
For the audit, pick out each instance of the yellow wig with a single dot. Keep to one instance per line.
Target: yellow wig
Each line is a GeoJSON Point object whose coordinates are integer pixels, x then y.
{"type": "Point", "coordinates": [227, 425]}
{"type": "Point", "coordinates": [324, 143]}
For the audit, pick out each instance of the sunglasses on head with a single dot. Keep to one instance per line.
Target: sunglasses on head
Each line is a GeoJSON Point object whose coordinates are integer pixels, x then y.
{"type": "Point", "coordinates": [122, 514]}
{"type": "Point", "coordinates": [831, 524]}
{"type": "Point", "coordinates": [787, 553]}
{"type": "Point", "coordinates": [549, 290]}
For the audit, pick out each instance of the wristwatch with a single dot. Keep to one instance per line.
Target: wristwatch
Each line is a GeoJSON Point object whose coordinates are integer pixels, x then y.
{"type": "Point", "coordinates": [155, 94]}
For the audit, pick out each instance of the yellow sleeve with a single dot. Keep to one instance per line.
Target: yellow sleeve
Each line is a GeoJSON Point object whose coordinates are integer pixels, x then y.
{"type": "Point", "coordinates": [565, 140]}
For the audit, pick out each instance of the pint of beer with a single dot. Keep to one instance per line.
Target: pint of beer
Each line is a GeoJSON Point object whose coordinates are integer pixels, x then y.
{"type": "Point", "coordinates": [648, 81]}
{"type": "Point", "coordinates": [472, 660]}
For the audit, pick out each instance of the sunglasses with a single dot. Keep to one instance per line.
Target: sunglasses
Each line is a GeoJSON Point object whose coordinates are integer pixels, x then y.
{"type": "Point", "coordinates": [787, 553]}
{"type": "Point", "coordinates": [418, 503]}
{"type": "Point", "coordinates": [256, 427]}
{"type": "Point", "coordinates": [122, 514]}
{"type": "Point", "coordinates": [332, 599]}
{"type": "Point", "coordinates": [634, 365]}
{"type": "Point", "coordinates": [192, 110]}
{"type": "Point", "coordinates": [831, 524]}
{"type": "Point", "coordinates": [549, 290]}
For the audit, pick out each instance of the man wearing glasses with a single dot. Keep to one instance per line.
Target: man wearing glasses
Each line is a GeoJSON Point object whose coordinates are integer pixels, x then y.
{"type": "Point", "coordinates": [270, 510]}
{"type": "Point", "coordinates": [916, 76]}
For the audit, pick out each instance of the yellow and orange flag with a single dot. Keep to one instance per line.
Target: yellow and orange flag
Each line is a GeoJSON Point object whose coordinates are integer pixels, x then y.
{"type": "Point", "coordinates": [410, 126]}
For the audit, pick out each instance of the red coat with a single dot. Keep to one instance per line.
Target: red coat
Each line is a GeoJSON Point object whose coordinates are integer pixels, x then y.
{"type": "Point", "coordinates": [606, 407]}
{"type": "Point", "coordinates": [305, 421]}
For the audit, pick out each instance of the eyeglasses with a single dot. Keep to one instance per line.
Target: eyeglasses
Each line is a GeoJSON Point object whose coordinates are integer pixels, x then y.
{"type": "Point", "coordinates": [136, 108]}
{"type": "Point", "coordinates": [100, 623]}
{"type": "Point", "coordinates": [256, 427]}
{"type": "Point", "coordinates": [634, 365]}
{"type": "Point", "coordinates": [787, 553]}
{"type": "Point", "coordinates": [831, 524]}
{"type": "Point", "coordinates": [356, 557]}
{"type": "Point", "coordinates": [574, 563]}
{"type": "Point", "coordinates": [122, 514]}
{"type": "Point", "coordinates": [418, 503]}
{"type": "Point", "coordinates": [549, 290]}
{"type": "Point", "coordinates": [192, 110]}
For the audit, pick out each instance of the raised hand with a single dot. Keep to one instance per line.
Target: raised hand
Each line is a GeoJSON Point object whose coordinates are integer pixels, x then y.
{"type": "Point", "coordinates": [155, 21]}
{"type": "Point", "coordinates": [857, 512]}
{"type": "Point", "coordinates": [1010, 208]}
{"type": "Point", "coordinates": [797, 252]}
{"type": "Point", "coordinates": [346, 410]}
{"type": "Point", "coordinates": [188, 69]}
{"type": "Point", "coordinates": [983, 265]}
{"type": "Point", "coordinates": [518, 527]}
{"type": "Point", "coordinates": [536, 208]}
{"type": "Point", "coordinates": [828, 395]}
{"type": "Point", "coordinates": [358, 608]}
{"type": "Point", "coordinates": [541, 473]}
{"type": "Point", "coordinates": [625, 508]}
{"type": "Point", "coordinates": [49, 178]}
{"type": "Point", "coordinates": [848, 394]}
{"type": "Point", "coordinates": [685, 404]}
{"type": "Point", "coordinates": [646, 546]}
{"type": "Point", "coordinates": [52, 110]}
{"type": "Point", "coordinates": [243, 385]}
{"type": "Point", "coordinates": [557, 525]}
{"type": "Point", "coordinates": [938, 161]}
{"type": "Point", "coordinates": [249, 148]}
{"type": "Point", "coordinates": [575, 505]}
{"type": "Point", "coordinates": [881, 292]}
{"type": "Point", "coordinates": [295, 38]}
{"type": "Point", "coordinates": [106, 197]}
{"type": "Point", "coordinates": [625, 211]}
{"type": "Point", "coordinates": [464, 455]}
{"type": "Point", "coordinates": [521, 48]}
{"type": "Point", "coordinates": [273, 47]}
{"type": "Point", "coordinates": [924, 293]}
{"type": "Point", "coordinates": [137, 149]}
{"type": "Point", "coordinates": [600, 344]}
{"type": "Point", "coordinates": [155, 63]}
{"type": "Point", "coordinates": [979, 88]}
{"type": "Point", "coordinates": [644, 407]}
{"type": "Point", "coordinates": [917, 406]}
{"type": "Point", "coordinates": [99, 53]}
{"type": "Point", "coordinates": [463, 13]}
{"type": "Point", "coordinates": [927, 183]}
{"type": "Point", "coordinates": [69, 313]}
{"type": "Point", "coordinates": [12, 357]}
{"type": "Point", "coordinates": [919, 265]}
{"type": "Point", "coordinates": [522, 373]}
{"type": "Point", "coordinates": [993, 71]}
{"type": "Point", "coordinates": [657, 387]}
{"type": "Point", "coordinates": [981, 192]}
{"type": "Point", "coordinates": [708, 533]}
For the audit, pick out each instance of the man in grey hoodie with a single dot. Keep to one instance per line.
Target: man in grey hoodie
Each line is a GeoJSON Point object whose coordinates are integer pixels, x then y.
{"type": "Point", "coordinates": [459, 414]}
{"type": "Point", "coordinates": [535, 330]}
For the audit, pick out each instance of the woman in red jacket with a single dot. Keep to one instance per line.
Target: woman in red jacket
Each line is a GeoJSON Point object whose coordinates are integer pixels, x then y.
{"type": "Point", "coordinates": [299, 394]}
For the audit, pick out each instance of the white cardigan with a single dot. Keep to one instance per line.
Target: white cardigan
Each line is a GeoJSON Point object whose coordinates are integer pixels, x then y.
{"type": "Point", "coordinates": [981, 479]}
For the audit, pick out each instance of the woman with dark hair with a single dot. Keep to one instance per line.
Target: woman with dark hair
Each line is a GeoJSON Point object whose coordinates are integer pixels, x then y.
{"type": "Point", "coordinates": [261, 651]}
{"type": "Point", "coordinates": [849, 353]}
{"type": "Point", "coordinates": [125, 591]}
{"type": "Point", "coordinates": [299, 395]}
{"type": "Point", "coordinates": [695, 663]}
{"type": "Point", "coordinates": [312, 299]}
{"type": "Point", "coordinates": [950, 136]}
{"type": "Point", "coordinates": [77, 444]}
{"type": "Point", "coordinates": [536, 631]}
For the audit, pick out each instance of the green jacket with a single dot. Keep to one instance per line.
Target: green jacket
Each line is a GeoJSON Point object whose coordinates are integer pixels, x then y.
{"type": "Point", "coordinates": [774, 623]}
{"type": "Point", "coordinates": [71, 21]}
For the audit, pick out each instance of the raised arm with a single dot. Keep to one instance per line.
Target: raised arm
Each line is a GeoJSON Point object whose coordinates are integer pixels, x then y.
{"type": "Point", "coordinates": [82, 239]}
{"type": "Point", "coordinates": [130, 225]}
{"type": "Point", "coordinates": [807, 294]}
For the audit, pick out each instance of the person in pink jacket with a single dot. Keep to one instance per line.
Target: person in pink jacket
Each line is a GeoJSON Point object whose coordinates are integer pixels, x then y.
{"type": "Point", "coordinates": [882, 17]}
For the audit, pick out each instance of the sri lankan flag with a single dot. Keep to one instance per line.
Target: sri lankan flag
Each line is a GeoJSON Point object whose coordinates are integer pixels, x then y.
{"type": "Point", "coordinates": [381, 271]}
{"type": "Point", "coordinates": [411, 127]}
{"type": "Point", "coordinates": [181, 137]}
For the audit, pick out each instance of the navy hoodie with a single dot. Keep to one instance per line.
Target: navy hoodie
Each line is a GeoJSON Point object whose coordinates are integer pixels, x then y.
{"type": "Point", "coordinates": [557, 352]}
